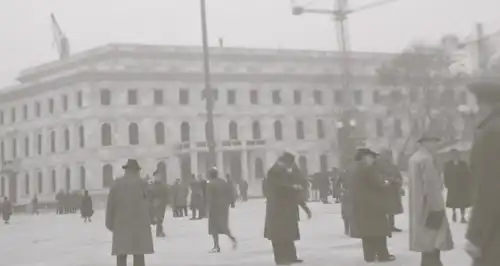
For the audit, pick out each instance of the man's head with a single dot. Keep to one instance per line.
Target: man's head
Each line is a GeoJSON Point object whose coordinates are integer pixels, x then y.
{"type": "Point", "coordinates": [213, 173]}
{"type": "Point", "coordinates": [365, 155]}
{"type": "Point", "coordinates": [132, 166]}
{"type": "Point", "coordinates": [287, 159]}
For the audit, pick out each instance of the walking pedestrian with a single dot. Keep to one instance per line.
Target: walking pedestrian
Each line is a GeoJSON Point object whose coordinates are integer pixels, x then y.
{"type": "Point", "coordinates": [6, 209]}
{"type": "Point", "coordinates": [243, 187]}
{"type": "Point", "coordinates": [159, 199]}
{"type": "Point", "coordinates": [180, 195]}
{"type": "Point", "coordinates": [483, 235]}
{"type": "Point", "coordinates": [128, 218]}
{"type": "Point", "coordinates": [86, 208]}
{"type": "Point", "coordinates": [196, 198]}
{"type": "Point", "coordinates": [284, 195]}
{"type": "Point", "coordinates": [429, 228]}
{"type": "Point", "coordinates": [219, 197]}
{"type": "Point", "coordinates": [369, 211]}
{"type": "Point", "coordinates": [457, 181]}
{"type": "Point", "coordinates": [34, 206]}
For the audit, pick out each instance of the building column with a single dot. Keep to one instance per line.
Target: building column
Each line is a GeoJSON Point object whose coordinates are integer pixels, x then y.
{"type": "Point", "coordinates": [220, 163]}
{"type": "Point", "coordinates": [244, 165]}
{"type": "Point", "coordinates": [194, 163]}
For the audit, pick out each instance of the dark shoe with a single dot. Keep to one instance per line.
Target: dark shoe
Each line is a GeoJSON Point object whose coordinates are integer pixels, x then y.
{"type": "Point", "coordinates": [370, 260]}
{"type": "Point", "coordinates": [387, 259]}
{"type": "Point", "coordinates": [235, 244]}
{"type": "Point", "coordinates": [283, 263]}
{"type": "Point", "coordinates": [397, 230]}
{"type": "Point", "coordinates": [215, 250]}
{"type": "Point", "coordinates": [297, 261]}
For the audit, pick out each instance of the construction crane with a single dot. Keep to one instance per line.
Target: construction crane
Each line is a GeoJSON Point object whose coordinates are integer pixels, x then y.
{"type": "Point", "coordinates": [60, 40]}
{"type": "Point", "coordinates": [348, 124]}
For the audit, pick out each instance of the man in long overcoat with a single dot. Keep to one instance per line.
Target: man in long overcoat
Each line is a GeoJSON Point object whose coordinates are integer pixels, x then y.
{"type": "Point", "coordinates": [159, 200]}
{"type": "Point", "coordinates": [180, 191]}
{"type": "Point", "coordinates": [345, 198]}
{"type": "Point", "coordinates": [283, 191]}
{"type": "Point", "coordinates": [391, 173]}
{"type": "Point", "coordinates": [128, 217]}
{"type": "Point", "coordinates": [429, 228]}
{"type": "Point", "coordinates": [457, 181]}
{"type": "Point", "coordinates": [196, 201]}
{"type": "Point", "coordinates": [219, 197]}
{"type": "Point", "coordinates": [483, 233]}
{"type": "Point", "coordinates": [369, 210]}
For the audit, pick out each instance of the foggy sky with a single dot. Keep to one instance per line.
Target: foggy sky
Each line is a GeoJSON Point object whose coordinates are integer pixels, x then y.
{"type": "Point", "coordinates": [26, 37]}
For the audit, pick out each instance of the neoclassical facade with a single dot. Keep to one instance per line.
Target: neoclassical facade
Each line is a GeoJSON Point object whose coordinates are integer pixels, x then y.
{"type": "Point", "coordinates": [71, 125]}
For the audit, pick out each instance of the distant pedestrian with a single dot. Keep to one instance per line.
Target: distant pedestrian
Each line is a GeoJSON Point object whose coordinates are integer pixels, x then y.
{"type": "Point", "coordinates": [34, 206]}
{"type": "Point", "coordinates": [60, 202]}
{"type": "Point", "coordinates": [283, 191]}
{"type": "Point", "coordinates": [128, 217]}
{"type": "Point", "coordinates": [159, 196]}
{"type": "Point", "coordinates": [180, 192]}
{"type": "Point", "coordinates": [196, 201]}
{"type": "Point", "coordinates": [6, 209]}
{"type": "Point", "coordinates": [243, 187]}
{"type": "Point", "coordinates": [458, 181]}
{"type": "Point", "coordinates": [219, 198]}
{"type": "Point", "coordinates": [86, 208]}
{"type": "Point", "coordinates": [203, 185]}
{"type": "Point", "coordinates": [430, 232]}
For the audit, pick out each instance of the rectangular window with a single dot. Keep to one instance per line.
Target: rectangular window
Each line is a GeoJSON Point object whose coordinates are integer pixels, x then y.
{"type": "Point", "coordinates": [158, 97]}
{"type": "Point", "coordinates": [38, 109]}
{"type": "Point", "coordinates": [215, 93]}
{"type": "Point", "coordinates": [13, 114]}
{"type": "Point", "coordinates": [338, 97]}
{"type": "Point", "coordinates": [1, 118]}
{"type": "Point", "coordinates": [79, 99]}
{"type": "Point", "coordinates": [276, 97]}
{"type": "Point", "coordinates": [25, 112]}
{"type": "Point", "coordinates": [318, 97]}
{"type": "Point", "coordinates": [254, 97]}
{"type": "Point", "coordinates": [376, 96]}
{"type": "Point", "coordinates": [51, 106]}
{"type": "Point", "coordinates": [105, 97]}
{"type": "Point", "coordinates": [183, 96]}
{"type": "Point", "coordinates": [14, 148]}
{"type": "Point", "coordinates": [297, 97]}
{"type": "Point", "coordinates": [132, 97]}
{"type": "Point", "coordinates": [65, 102]}
{"type": "Point", "coordinates": [358, 97]}
{"type": "Point", "coordinates": [231, 97]}
{"type": "Point", "coordinates": [380, 128]}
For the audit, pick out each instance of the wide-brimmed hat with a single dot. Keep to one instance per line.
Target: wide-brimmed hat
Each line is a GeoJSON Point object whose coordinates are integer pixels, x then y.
{"type": "Point", "coordinates": [132, 164]}
{"type": "Point", "coordinates": [287, 156]}
{"type": "Point", "coordinates": [213, 172]}
{"type": "Point", "coordinates": [362, 152]}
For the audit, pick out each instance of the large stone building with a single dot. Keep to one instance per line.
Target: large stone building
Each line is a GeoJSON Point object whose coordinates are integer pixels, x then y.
{"type": "Point", "coordinates": [71, 124]}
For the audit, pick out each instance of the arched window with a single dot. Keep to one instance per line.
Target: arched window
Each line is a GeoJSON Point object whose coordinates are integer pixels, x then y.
{"type": "Point", "coordinates": [2, 187]}
{"type": "Point", "coordinates": [106, 135]}
{"type": "Point", "coordinates": [133, 134]}
{"type": "Point", "coordinates": [14, 148]}
{"type": "Point", "coordinates": [206, 131]}
{"type": "Point", "coordinates": [27, 184]}
{"type": "Point", "coordinates": [160, 133]}
{"type": "Point", "coordinates": [107, 176]}
{"type": "Point", "coordinates": [81, 136]}
{"type": "Point", "coordinates": [39, 144]}
{"type": "Point", "coordinates": [233, 130]}
{"type": "Point", "coordinates": [259, 169]}
{"type": "Point", "coordinates": [323, 163]}
{"type": "Point", "coordinates": [53, 180]}
{"type": "Point", "coordinates": [320, 129]}
{"type": "Point", "coordinates": [299, 128]}
{"type": "Point", "coordinates": [40, 182]}
{"type": "Point", "coordinates": [68, 179]}
{"type": "Point", "coordinates": [185, 132]}
{"type": "Point", "coordinates": [256, 130]}
{"type": "Point", "coordinates": [67, 139]}
{"type": "Point", "coordinates": [278, 130]}
{"type": "Point", "coordinates": [303, 165]}
{"type": "Point", "coordinates": [27, 146]}
{"type": "Point", "coordinates": [83, 178]}
{"type": "Point", "coordinates": [53, 141]}
{"type": "Point", "coordinates": [162, 171]}
{"type": "Point", "coordinates": [2, 151]}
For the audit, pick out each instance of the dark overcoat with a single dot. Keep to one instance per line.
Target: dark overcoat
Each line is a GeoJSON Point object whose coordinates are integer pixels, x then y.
{"type": "Point", "coordinates": [196, 201]}
{"type": "Point", "coordinates": [159, 200]}
{"type": "Point", "coordinates": [219, 198]}
{"type": "Point", "coordinates": [128, 217]}
{"type": "Point", "coordinates": [86, 209]}
{"type": "Point", "coordinates": [282, 204]}
{"type": "Point", "coordinates": [345, 195]}
{"type": "Point", "coordinates": [457, 181]}
{"type": "Point", "coordinates": [180, 192]}
{"type": "Point", "coordinates": [390, 172]}
{"type": "Point", "coordinates": [6, 209]}
{"type": "Point", "coordinates": [369, 217]}
{"type": "Point", "coordinates": [483, 230]}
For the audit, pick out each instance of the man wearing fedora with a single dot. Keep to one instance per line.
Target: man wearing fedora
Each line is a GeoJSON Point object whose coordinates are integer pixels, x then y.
{"type": "Point", "coordinates": [483, 233]}
{"type": "Point", "coordinates": [369, 212]}
{"type": "Point", "coordinates": [429, 228]}
{"type": "Point", "coordinates": [128, 217]}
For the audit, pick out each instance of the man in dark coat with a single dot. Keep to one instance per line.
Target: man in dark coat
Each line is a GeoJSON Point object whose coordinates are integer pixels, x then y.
{"type": "Point", "coordinates": [283, 191]}
{"type": "Point", "coordinates": [324, 187]}
{"type": "Point", "coordinates": [483, 233]}
{"type": "Point", "coordinates": [369, 207]}
{"type": "Point", "coordinates": [128, 217]}
{"type": "Point", "coordinates": [6, 210]}
{"type": "Point", "coordinates": [159, 195]}
{"type": "Point", "coordinates": [390, 172]}
{"type": "Point", "coordinates": [196, 201]}
{"type": "Point", "coordinates": [219, 197]}
{"type": "Point", "coordinates": [344, 181]}
{"type": "Point", "coordinates": [203, 185]}
{"type": "Point", "coordinates": [457, 181]}
{"type": "Point", "coordinates": [86, 208]}
{"type": "Point", "coordinates": [60, 202]}
{"type": "Point", "coordinates": [243, 187]}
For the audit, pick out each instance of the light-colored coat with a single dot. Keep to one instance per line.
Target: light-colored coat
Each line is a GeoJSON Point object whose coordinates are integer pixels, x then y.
{"type": "Point", "coordinates": [425, 195]}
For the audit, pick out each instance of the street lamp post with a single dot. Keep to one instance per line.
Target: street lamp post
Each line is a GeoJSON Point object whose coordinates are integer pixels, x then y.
{"type": "Point", "coordinates": [209, 94]}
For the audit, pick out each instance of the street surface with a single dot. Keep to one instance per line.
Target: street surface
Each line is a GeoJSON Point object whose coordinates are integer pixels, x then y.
{"type": "Point", "coordinates": [64, 240]}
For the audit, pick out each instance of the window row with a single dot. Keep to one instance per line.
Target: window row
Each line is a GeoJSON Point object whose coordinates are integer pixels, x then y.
{"type": "Point", "coordinates": [35, 110]}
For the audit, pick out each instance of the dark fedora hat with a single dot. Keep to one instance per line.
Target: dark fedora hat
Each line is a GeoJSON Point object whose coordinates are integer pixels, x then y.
{"type": "Point", "coordinates": [132, 164]}
{"type": "Point", "coordinates": [362, 152]}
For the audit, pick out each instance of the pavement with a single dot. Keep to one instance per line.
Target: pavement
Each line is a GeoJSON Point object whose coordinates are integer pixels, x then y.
{"type": "Point", "coordinates": [64, 240]}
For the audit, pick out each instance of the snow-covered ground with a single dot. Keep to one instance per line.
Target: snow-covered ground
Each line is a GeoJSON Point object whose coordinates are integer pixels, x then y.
{"type": "Point", "coordinates": [52, 240]}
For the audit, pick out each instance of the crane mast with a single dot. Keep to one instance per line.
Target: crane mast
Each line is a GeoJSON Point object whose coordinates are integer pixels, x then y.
{"type": "Point", "coordinates": [60, 40]}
